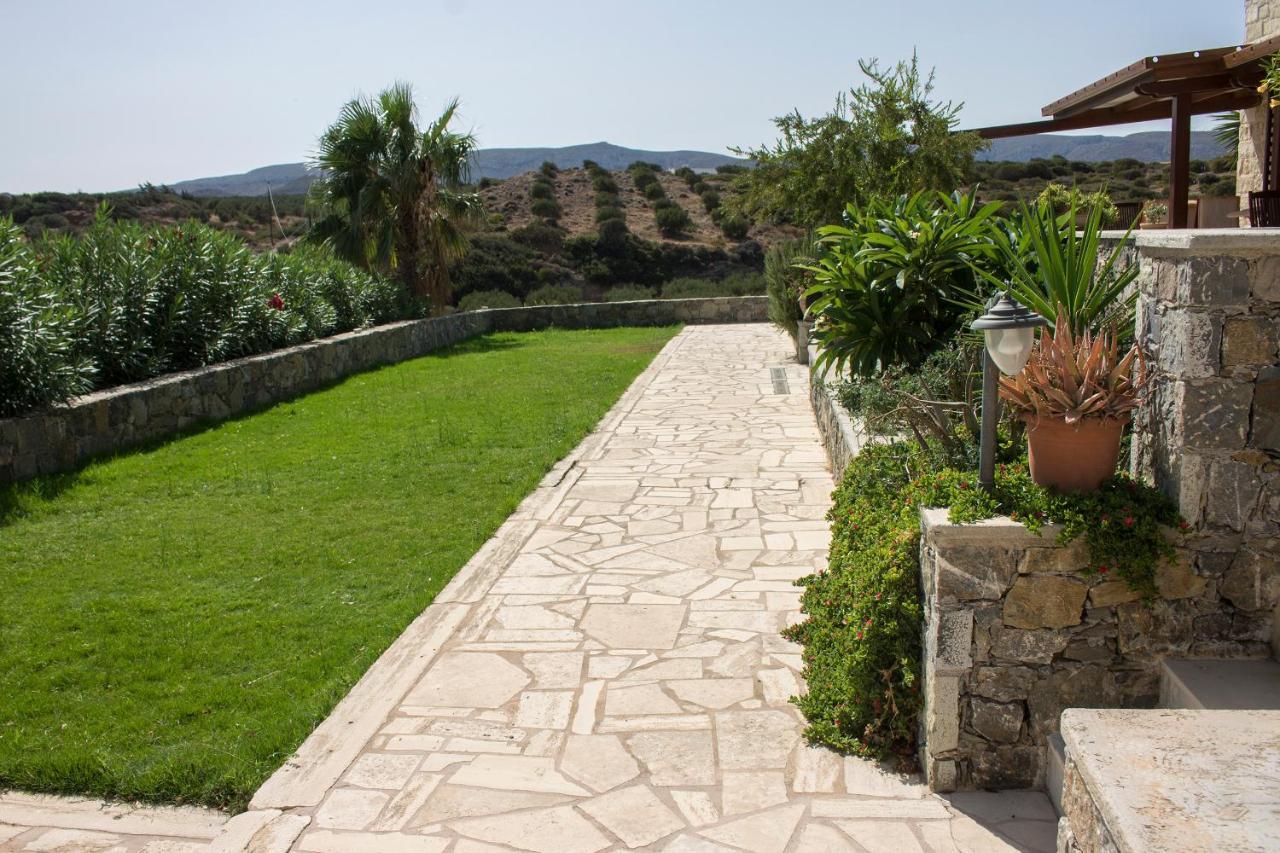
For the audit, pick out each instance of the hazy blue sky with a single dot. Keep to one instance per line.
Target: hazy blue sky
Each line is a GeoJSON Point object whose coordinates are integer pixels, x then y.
{"type": "Point", "coordinates": [104, 95]}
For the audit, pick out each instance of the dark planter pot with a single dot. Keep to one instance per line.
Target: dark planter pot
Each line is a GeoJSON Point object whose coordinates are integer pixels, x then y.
{"type": "Point", "coordinates": [803, 328]}
{"type": "Point", "coordinates": [1073, 457]}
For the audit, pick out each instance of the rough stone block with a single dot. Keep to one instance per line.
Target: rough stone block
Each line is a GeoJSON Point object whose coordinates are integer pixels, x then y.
{"type": "Point", "coordinates": [1088, 686]}
{"type": "Point", "coordinates": [1031, 647]}
{"type": "Point", "coordinates": [1000, 722]}
{"type": "Point", "coordinates": [950, 641]}
{"type": "Point", "coordinates": [1266, 411]}
{"type": "Point", "coordinates": [974, 572]}
{"type": "Point", "coordinates": [1215, 414]}
{"type": "Point", "coordinates": [1177, 578]}
{"type": "Point", "coordinates": [1209, 281]}
{"type": "Point", "coordinates": [1111, 593]}
{"type": "Point", "coordinates": [1005, 767]}
{"type": "Point", "coordinates": [1003, 683]}
{"type": "Point", "coordinates": [942, 713]}
{"type": "Point", "coordinates": [1253, 581]}
{"type": "Point", "coordinates": [1189, 343]}
{"type": "Point", "coordinates": [1264, 277]}
{"type": "Point", "coordinates": [1058, 559]}
{"type": "Point", "coordinates": [1249, 341]}
{"type": "Point", "coordinates": [1044, 601]}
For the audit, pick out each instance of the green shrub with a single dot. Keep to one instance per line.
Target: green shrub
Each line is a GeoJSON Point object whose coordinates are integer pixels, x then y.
{"type": "Point", "coordinates": [738, 284]}
{"type": "Point", "coordinates": [628, 293]}
{"type": "Point", "coordinates": [604, 213]}
{"type": "Point", "coordinates": [608, 199]}
{"type": "Point", "coordinates": [38, 360]}
{"type": "Point", "coordinates": [611, 235]}
{"type": "Point", "coordinates": [487, 182]}
{"type": "Point", "coordinates": [590, 165]}
{"type": "Point", "coordinates": [478, 299]}
{"type": "Point", "coordinates": [786, 281]}
{"type": "Point", "coordinates": [643, 178]}
{"type": "Point", "coordinates": [498, 262]}
{"type": "Point", "coordinates": [549, 169]}
{"type": "Point", "coordinates": [687, 175]}
{"type": "Point", "coordinates": [603, 182]}
{"type": "Point", "coordinates": [671, 221]}
{"type": "Point", "coordinates": [547, 239]}
{"type": "Point", "coordinates": [734, 227]}
{"type": "Point", "coordinates": [710, 200]}
{"type": "Point", "coordinates": [654, 191]}
{"type": "Point", "coordinates": [555, 294]}
{"type": "Point", "coordinates": [546, 208]}
{"type": "Point", "coordinates": [542, 190]}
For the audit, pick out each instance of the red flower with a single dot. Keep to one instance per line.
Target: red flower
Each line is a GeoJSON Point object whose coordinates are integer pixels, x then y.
{"type": "Point", "coordinates": [1103, 570]}
{"type": "Point", "coordinates": [1128, 521]}
{"type": "Point", "coordinates": [276, 301]}
{"type": "Point", "coordinates": [859, 635]}
{"type": "Point", "coordinates": [1182, 525]}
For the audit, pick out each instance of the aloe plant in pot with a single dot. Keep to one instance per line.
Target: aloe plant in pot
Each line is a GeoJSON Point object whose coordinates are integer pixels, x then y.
{"type": "Point", "coordinates": [1075, 395]}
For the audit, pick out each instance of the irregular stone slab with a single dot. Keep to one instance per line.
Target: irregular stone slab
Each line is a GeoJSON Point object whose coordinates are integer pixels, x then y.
{"type": "Point", "coordinates": [714, 693]}
{"type": "Point", "coordinates": [693, 844]}
{"type": "Point", "coordinates": [1044, 601]}
{"type": "Point", "coordinates": [884, 809]}
{"type": "Point", "coordinates": [639, 699]}
{"type": "Point", "coordinates": [675, 758]}
{"type": "Point", "coordinates": [817, 838]}
{"type": "Point", "coordinates": [375, 770]}
{"type": "Point", "coordinates": [878, 836]}
{"type": "Point", "coordinates": [406, 803]}
{"type": "Point", "coordinates": [322, 841]}
{"type": "Point", "coordinates": [517, 773]}
{"type": "Point", "coordinates": [747, 740]}
{"type": "Point", "coordinates": [544, 709]}
{"type": "Point", "coordinates": [598, 761]}
{"type": "Point", "coordinates": [765, 832]}
{"type": "Point", "coordinates": [350, 808]}
{"type": "Point", "coordinates": [633, 814]}
{"type": "Point", "coordinates": [815, 770]}
{"type": "Point", "coordinates": [697, 807]}
{"type": "Point", "coordinates": [743, 792]}
{"type": "Point", "coordinates": [449, 802]}
{"type": "Point", "coordinates": [469, 680]}
{"type": "Point", "coordinates": [632, 626]}
{"type": "Point", "coordinates": [779, 685]}
{"type": "Point", "coordinates": [554, 830]}
{"type": "Point", "coordinates": [866, 778]}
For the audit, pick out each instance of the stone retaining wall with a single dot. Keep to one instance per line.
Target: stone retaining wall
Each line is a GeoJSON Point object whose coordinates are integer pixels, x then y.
{"type": "Point", "coordinates": [1015, 633]}
{"type": "Point", "coordinates": [64, 437]}
{"type": "Point", "coordinates": [840, 438]}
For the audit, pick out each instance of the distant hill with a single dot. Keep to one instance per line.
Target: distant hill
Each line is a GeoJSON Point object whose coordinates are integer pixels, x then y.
{"type": "Point", "coordinates": [295, 178]}
{"type": "Point", "coordinates": [1149, 146]}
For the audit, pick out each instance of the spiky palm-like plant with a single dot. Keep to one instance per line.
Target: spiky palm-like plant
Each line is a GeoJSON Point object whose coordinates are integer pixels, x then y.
{"type": "Point", "coordinates": [392, 196]}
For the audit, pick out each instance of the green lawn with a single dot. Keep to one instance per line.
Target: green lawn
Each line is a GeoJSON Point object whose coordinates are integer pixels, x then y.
{"type": "Point", "coordinates": [174, 622]}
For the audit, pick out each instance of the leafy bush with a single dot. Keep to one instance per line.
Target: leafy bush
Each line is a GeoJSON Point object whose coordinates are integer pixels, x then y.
{"type": "Point", "coordinates": [643, 178]}
{"type": "Point", "coordinates": [546, 208]}
{"type": "Point", "coordinates": [611, 235]}
{"type": "Point", "coordinates": [735, 227]}
{"type": "Point", "coordinates": [687, 175]}
{"type": "Point", "coordinates": [478, 299]}
{"type": "Point", "coordinates": [549, 169]}
{"type": "Point", "coordinates": [628, 293]}
{"type": "Point", "coordinates": [38, 360]}
{"type": "Point", "coordinates": [604, 213]}
{"type": "Point", "coordinates": [547, 239]}
{"type": "Point", "coordinates": [555, 294]}
{"type": "Point", "coordinates": [738, 284]}
{"type": "Point", "coordinates": [497, 262]}
{"type": "Point", "coordinates": [603, 182]}
{"type": "Point", "coordinates": [542, 190]}
{"type": "Point", "coordinates": [892, 284]}
{"type": "Point", "coordinates": [786, 281]}
{"type": "Point", "coordinates": [710, 200]}
{"type": "Point", "coordinates": [671, 221]}
{"type": "Point", "coordinates": [654, 191]}
{"type": "Point", "coordinates": [123, 303]}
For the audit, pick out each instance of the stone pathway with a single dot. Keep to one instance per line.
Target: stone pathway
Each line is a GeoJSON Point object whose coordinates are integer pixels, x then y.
{"type": "Point", "coordinates": [607, 673]}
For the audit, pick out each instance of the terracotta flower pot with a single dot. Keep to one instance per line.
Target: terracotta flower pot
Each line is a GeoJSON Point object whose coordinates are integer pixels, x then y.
{"type": "Point", "coordinates": [1073, 458]}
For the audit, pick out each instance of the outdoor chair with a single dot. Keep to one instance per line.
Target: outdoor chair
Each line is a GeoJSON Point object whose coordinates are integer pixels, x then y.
{"type": "Point", "coordinates": [1264, 209]}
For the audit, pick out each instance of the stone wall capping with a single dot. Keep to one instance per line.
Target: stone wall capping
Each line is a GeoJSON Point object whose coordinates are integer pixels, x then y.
{"type": "Point", "coordinates": [63, 437]}
{"type": "Point", "coordinates": [999, 531]}
{"type": "Point", "coordinates": [1240, 242]}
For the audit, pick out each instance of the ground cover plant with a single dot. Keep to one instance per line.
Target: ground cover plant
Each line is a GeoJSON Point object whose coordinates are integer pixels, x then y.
{"type": "Point", "coordinates": [861, 634]}
{"type": "Point", "coordinates": [176, 621]}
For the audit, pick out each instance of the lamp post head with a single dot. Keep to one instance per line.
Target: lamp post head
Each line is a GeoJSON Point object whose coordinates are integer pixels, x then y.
{"type": "Point", "coordinates": [1008, 327]}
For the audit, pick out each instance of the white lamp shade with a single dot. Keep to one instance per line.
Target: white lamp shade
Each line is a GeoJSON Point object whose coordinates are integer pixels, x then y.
{"type": "Point", "coordinates": [1010, 348]}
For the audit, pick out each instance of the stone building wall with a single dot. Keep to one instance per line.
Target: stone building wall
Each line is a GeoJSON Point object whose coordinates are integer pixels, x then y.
{"type": "Point", "coordinates": [1208, 434]}
{"type": "Point", "coordinates": [64, 437]}
{"type": "Point", "coordinates": [1261, 20]}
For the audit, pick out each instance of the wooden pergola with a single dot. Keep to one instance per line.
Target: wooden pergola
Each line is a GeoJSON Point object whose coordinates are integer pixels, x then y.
{"type": "Point", "coordinates": [1175, 86]}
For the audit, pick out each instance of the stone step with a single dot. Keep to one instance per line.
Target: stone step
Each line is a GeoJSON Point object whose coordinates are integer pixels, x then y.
{"type": "Point", "coordinates": [1220, 684]}
{"type": "Point", "coordinates": [1054, 769]}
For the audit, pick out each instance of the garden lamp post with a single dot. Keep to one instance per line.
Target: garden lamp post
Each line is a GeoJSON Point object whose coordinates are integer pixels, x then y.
{"type": "Point", "coordinates": [1009, 330]}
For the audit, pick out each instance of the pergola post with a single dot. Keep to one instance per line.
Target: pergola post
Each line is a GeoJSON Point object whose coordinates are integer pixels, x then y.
{"type": "Point", "coordinates": [1180, 161]}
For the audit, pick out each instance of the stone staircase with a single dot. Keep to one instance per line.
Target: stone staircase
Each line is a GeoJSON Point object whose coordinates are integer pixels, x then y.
{"type": "Point", "coordinates": [1217, 727]}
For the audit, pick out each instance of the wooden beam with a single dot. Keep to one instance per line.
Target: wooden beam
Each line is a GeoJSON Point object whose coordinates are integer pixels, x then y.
{"type": "Point", "coordinates": [1187, 85]}
{"type": "Point", "coordinates": [1151, 110]}
{"type": "Point", "coordinates": [1180, 161]}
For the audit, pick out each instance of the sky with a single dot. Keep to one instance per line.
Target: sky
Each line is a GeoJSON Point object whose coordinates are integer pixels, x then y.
{"type": "Point", "coordinates": [106, 95]}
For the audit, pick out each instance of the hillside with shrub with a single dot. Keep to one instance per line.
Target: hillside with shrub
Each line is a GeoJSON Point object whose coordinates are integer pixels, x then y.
{"type": "Point", "coordinates": [1122, 180]}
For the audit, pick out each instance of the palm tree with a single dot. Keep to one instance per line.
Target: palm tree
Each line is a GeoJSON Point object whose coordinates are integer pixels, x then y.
{"type": "Point", "coordinates": [392, 197]}
{"type": "Point", "coordinates": [1227, 132]}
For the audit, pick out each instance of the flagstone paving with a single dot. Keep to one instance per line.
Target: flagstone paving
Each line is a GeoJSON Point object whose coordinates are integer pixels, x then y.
{"type": "Point", "coordinates": [612, 676]}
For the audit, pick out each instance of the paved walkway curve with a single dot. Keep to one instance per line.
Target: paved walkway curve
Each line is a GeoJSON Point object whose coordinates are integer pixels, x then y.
{"type": "Point", "coordinates": [607, 673]}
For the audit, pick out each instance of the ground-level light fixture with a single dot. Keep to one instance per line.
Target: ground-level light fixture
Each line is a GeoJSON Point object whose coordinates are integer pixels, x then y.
{"type": "Point", "coordinates": [1009, 329]}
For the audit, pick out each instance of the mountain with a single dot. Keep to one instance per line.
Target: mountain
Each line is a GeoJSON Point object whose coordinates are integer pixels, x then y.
{"type": "Point", "coordinates": [1150, 146]}
{"type": "Point", "coordinates": [295, 178]}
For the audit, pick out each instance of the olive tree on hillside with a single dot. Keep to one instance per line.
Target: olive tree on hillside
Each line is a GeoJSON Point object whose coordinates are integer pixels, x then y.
{"type": "Point", "coordinates": [883, 139]}
{"type": "Point", "coordinates": [393, 196]}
